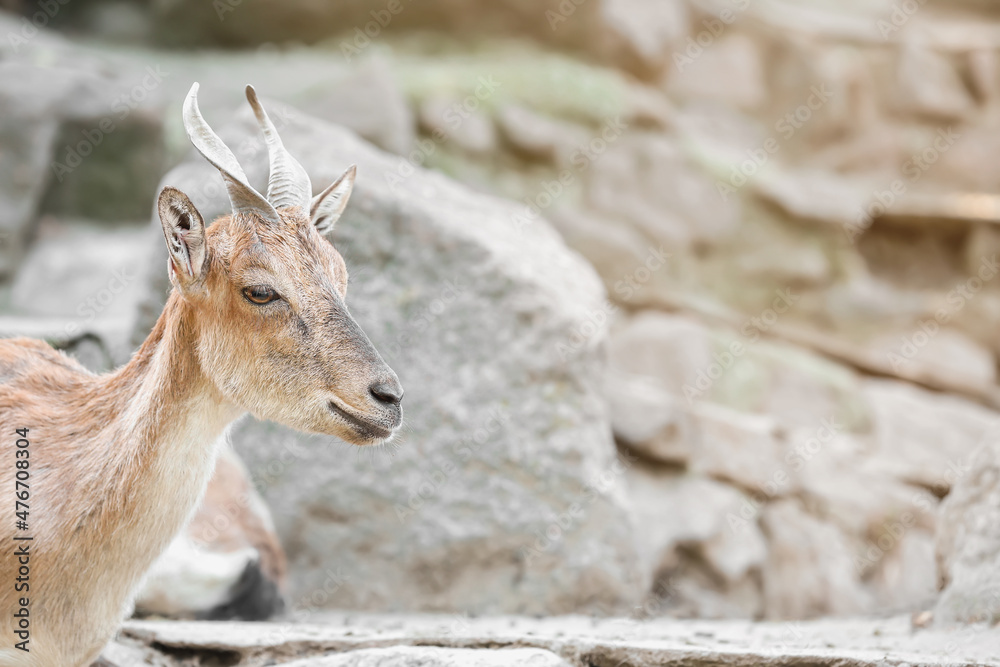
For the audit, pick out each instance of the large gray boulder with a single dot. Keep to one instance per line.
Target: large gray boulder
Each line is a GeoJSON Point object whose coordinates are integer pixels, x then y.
{"type": "Point", "coordinates": [504, 492]}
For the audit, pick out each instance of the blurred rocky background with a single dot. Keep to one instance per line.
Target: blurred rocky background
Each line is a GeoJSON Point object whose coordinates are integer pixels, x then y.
{"type": "Point", "coordinates": [696, 301]}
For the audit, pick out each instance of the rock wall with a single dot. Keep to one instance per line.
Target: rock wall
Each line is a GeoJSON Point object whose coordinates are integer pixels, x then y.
{"type": "Point", "coordinates": [796, 226]}
{"type": "Point", "coordinates": [630, 33]}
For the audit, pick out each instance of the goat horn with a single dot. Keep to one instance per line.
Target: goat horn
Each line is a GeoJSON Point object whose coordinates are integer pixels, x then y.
{"type": "Point", "coordinates": [288, 184]}
{"type": "Point", "coordinates": [242, 195]}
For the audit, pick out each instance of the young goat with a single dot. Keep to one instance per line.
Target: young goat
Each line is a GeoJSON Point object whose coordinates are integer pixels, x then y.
{"type": "Point", "coordinates": [116, 463]}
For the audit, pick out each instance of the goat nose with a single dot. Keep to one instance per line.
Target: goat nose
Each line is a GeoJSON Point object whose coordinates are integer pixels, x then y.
{"type": "Point", "coordinates": [389, 391]}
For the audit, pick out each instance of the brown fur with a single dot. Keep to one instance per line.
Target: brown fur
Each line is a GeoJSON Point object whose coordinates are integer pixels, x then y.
{"type": "Point", "coordinates": [118, 461]}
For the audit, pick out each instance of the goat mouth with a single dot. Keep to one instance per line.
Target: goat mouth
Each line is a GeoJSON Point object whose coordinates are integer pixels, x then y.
{"type": "Point", "coordinates": [364, 427]}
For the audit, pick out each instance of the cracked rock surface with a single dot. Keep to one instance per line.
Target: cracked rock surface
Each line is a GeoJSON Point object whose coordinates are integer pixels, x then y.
{"type": "Point", "coordinates": [361, 640]}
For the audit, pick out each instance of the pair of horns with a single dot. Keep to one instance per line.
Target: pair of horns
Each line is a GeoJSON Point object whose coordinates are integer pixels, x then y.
{"type": "Point", "coordinates": [288, 183]}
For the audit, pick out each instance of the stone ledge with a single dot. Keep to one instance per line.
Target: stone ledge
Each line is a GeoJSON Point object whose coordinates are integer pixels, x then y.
{"type": "Point", "coordinates": [575, 640]}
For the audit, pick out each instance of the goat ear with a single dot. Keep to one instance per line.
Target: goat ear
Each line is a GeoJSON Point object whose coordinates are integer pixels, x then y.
{"type": "Point", "coordinates": [328, 205]}
{"type": "Point", "coordinates": [184, 231]}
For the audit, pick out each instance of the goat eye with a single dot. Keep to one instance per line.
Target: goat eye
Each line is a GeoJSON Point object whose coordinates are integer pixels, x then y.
{"type": "Point", "coordinates": [260, 294]}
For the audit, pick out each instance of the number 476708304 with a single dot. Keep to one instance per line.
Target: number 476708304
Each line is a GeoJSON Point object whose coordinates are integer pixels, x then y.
{"type": "Point", "coordinates": [22, 474]}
